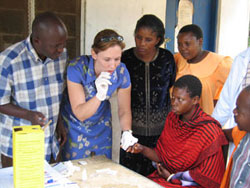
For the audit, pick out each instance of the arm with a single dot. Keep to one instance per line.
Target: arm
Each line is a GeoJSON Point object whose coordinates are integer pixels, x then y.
{"type": "Point", "coordinates": [226, 103]}
{"type": "Point", "coordinates": [61, 131]}
{"type": "Point", "coordinates": [124, 108]}
{"type": "Point", "coordinates": [36, 118]}
{"type": "Point", "coordinates": [125, 117]}
{"type": "Point", "coordinates": [81, 109]}
{"type": "Point", "coordinates": [146, 151]}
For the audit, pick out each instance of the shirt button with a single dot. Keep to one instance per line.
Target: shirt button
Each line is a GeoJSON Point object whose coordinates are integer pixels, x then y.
{"type": "Point", "coordinates": [248, 164]}
{"type": "Point", "coordinates": [240, 182]}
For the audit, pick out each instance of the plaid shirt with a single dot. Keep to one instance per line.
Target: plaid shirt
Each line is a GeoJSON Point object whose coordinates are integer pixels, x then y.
{"type": "Point", "coordinates": [30, 83]}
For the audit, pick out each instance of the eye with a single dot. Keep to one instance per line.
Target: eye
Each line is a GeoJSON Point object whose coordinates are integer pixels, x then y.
{"type": "Point", "coordinates": [148, 40]}
{"type": "Point", "coordinates": [180, 100]}
{"type": "Point", "coordinates": [138, 37]}
{"type": "Point", "coordinates": [107, 59]}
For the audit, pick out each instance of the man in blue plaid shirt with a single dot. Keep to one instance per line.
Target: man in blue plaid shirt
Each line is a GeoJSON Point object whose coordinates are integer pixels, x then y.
{"type": "Point", "coordinates": [31, 85]}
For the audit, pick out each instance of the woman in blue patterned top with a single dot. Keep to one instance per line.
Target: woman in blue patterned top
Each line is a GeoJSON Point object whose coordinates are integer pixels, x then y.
{"type": "Point", "coordinates": [86, 111]}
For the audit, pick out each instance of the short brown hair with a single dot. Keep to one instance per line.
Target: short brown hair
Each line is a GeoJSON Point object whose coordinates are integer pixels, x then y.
{"type": "Point", "coordinates": [107, 38]}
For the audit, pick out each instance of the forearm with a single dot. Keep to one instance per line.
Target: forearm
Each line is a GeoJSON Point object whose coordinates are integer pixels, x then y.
{"type": "Point", "coordinates": [125, 120]}
{"type": "Point", "coordinates": [13, 110]}
{"type": "Point", "coordinates": [150, 154]}
{"type": "Point", "coordinates": [87, 109]}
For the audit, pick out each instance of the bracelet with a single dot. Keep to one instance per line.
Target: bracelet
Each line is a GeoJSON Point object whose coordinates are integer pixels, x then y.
{"type": "Point", "coordinates": [169, 177]}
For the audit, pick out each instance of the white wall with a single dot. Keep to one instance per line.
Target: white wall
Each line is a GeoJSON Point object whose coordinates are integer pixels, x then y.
{"type": "Point", "coordinates": [120, 15]}
{"type": "Point", "coordinates": [233, 26]}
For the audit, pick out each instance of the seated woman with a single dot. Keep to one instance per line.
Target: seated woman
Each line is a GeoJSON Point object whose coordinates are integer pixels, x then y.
{"type": "Point", "coordinates": [189, 150]}
{"type": "Point", "coordinates": [86, 110]}
{"type": "Point", "coordinates": [212, 69]}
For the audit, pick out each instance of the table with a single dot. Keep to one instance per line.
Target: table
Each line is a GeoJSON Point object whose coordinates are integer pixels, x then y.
{"type": "Point", "coordinates": [122, 177]}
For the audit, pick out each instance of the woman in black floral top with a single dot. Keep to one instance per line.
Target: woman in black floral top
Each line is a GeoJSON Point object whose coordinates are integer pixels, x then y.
{"type": "Point", "coordinates": [152, 71]}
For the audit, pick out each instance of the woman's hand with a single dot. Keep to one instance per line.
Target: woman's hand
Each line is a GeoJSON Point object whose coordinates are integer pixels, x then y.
{"type": "Point", "coordinates": [162, 171]}
{"type": "Point", "coordinates": [136, 148]}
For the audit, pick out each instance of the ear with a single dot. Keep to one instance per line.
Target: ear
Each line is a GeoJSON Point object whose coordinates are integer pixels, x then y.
{"type": "Point", "coordinates": [35, 40]}
{"type": "Point", "coordinates": [158, 40]}
{"type": "Point", "coordinates": [94, 55]}
{"type": "Point", "coordinates": [201, 42]}
{"type": "Point", "coordinates": [195, 100]}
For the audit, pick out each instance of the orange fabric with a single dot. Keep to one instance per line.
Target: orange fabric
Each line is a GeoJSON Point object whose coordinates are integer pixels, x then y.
{"type": "Point", "coordinates": [237, 136]}
{"type": "Point", "coordinates": [212, 72]}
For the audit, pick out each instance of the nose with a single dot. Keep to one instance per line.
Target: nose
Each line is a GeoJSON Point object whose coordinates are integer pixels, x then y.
{"type": "Point", "coordinates": [113, 64]}
{"type": "Point", "coordinates": [173, 101]}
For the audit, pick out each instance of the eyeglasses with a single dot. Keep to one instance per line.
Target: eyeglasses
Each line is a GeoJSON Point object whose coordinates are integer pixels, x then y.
{"type": "Point", "coordinates": [107, 39]}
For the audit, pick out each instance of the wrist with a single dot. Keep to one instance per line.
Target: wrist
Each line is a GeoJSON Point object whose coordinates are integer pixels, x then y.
{"type": "Point", "coordinates": [129, 130]}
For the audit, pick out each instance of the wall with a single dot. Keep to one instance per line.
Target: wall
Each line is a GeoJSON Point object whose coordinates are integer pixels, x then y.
{"type": "Point", "coordinates": [119, 15]}
{"type": "Point", "coordinates": [233, 26]}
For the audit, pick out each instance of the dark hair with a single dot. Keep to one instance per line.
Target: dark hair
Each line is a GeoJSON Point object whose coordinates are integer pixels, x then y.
{"type": "Point", "coordinates": [191, 83]}
{"type": "Point", "coordinates": [152, 22]}
{"type": "Point", "coordinates": [46, 20]}
{"type": "Point", "coordinates": [194, 29]}
{"type": "Point", "coordinates": [107, 38]}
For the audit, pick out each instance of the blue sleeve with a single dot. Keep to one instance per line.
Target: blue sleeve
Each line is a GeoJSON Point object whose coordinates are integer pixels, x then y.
{"type": "Point", "coordinates": [74, 71]}
{"type": "Point", "coordinates": [125, 76]}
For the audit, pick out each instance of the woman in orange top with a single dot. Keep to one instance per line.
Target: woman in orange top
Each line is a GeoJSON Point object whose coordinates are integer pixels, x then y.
{"type": "Point", "coordinates": [212, 69]}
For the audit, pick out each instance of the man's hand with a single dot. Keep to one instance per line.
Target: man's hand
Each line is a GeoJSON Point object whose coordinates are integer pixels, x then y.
{"type": "Point", "coordinates": [36, 118]}
{"type": "Point", "coordinates": [61, 132]}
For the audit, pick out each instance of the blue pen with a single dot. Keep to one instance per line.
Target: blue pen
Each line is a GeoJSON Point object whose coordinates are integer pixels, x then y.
{"type": "Point", "coordinates": [50, 181]}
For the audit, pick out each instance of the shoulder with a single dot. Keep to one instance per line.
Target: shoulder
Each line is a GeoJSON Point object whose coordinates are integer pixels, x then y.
{"type": "Point", "coordinates": [242, 58]}
{"type": "Point", "coordinates": [165, 52]}
{"type": "Point", "coordinates": [83, 64]}
{"type": "Point", "coordinates": [127, 55]}
{"type": "Point", "coordinates": [220, 58]}
{"type": "Point", "coordinates": [13, 51]}
{"type": "Point", "coordinates": [122, 70]}
{"type": "Point", "coordinates": [80, 61]}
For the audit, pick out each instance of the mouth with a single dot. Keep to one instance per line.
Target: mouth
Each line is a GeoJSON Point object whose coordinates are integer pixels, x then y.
{"type": "Point", "coordinates": [110, 71]}
{"type": "Point", "coordinates": [141, 50]}
{"type": "Point", "coordinates": [185, 54]}
{"type": "Point", "coordinates": [174, 110]}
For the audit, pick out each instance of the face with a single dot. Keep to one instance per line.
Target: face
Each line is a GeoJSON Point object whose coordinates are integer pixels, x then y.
{"type": "Point", "coordinates": [51, 43]}
{"type": "Point", "coordinates": [182, 104]}
{"type": "Point", "coordinates": [145, 40]}
{"type": "Point", "coordinates": [242, 111]}
{"type": "Point", "coordinates": [188, 45]}
{"type": "Point", "coordinates": [107, 60]}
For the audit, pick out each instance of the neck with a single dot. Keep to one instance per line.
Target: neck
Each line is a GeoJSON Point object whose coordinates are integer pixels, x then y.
{"type": "Point", "coordinates": [148, 57]}
{"type": "Point", "coordinates": [201, 55]}
{"type": "Point", "coordinates": [188, 116]}
{"type": "Point", "coordinates": [43, 58]}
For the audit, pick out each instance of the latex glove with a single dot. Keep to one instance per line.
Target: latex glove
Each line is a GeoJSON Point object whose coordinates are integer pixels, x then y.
{"type": "Point", "coordinates": [128, 140]}
{"type": "Point", "coordinates": [102, 84]}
